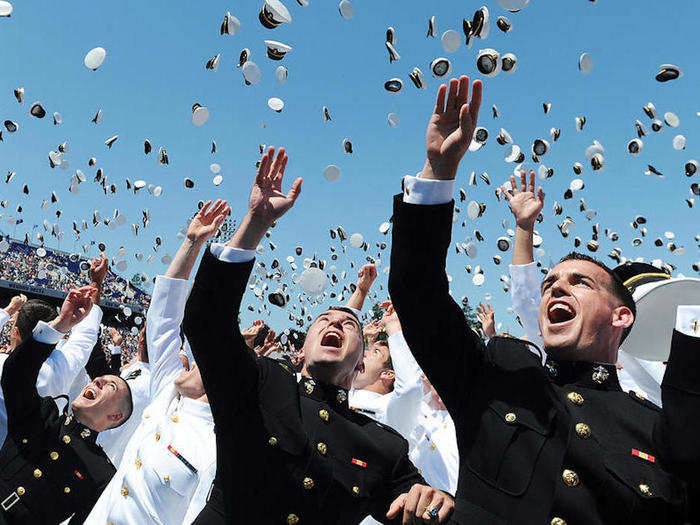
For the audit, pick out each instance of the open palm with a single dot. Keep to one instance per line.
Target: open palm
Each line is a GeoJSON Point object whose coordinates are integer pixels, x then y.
{"type": "Point", "coordinates": [525, 204]}
{"type": "Point", "coordinates": [451, 126]}
{"type": "Point", "coordinates": [207, 221]}
{"type": "Point", "coordinates": [267, 202]}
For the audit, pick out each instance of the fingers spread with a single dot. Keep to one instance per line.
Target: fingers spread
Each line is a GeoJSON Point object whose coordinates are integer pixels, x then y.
{"type": "Point", "coordinates": [296, 189]}
{"type": "Point", "coordinates": [462, 91]}
{"type": "Point", "coordinates": [532, 182]}
{"type": "Point", "coordinates": [523, 181]}
{"type": "Point", "coordinates": [452, 95]}
{"type": "Point", "coordinates": [476, 101]}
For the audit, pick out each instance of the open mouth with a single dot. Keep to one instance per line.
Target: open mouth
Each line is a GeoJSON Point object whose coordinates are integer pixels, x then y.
{"type": "Point", "coordinates": [560, 313]}
{"type": "Point", "coordinates": [333, 339]}
{"type": "Point", "coordinates": [90, 394]}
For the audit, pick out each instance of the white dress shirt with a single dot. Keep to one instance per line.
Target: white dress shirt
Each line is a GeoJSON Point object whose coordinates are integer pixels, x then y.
{"type": "Point", "coordinates": [434, 449]}
{"type": "Point", "coordinates": [114, 441]}
{"type": "Point", "coordinates": [170, 461]}
{"type": "Point", "coordinates": [63, 364]}
{"type": "Point", "coordinates": [400, 408]}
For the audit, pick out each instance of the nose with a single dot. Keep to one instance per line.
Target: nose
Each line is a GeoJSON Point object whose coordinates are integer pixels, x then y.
{"type": "Point", "coordinates": [559, 288]}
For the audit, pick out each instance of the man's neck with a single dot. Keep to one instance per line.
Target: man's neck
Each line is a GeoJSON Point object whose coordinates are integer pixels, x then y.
{"type": "Point", "coordinates": [377, 387]}
{"type": "Point", "coordinates": [319, 375]}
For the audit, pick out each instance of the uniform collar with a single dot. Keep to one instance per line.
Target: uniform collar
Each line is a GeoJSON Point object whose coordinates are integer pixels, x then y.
{"type": "Point", "coordinates": [599, 376]}
{"type": "Point", "coordinates": [331, 394]}
{"type": "Point", "coordinates": [198, 409]}
{"type": "Point", "coordinates": [74, 428]}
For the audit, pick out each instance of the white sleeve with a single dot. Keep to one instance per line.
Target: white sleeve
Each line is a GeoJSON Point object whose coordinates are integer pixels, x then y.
{"type": "Point", "coordinates": [64, 364]}
{"type": "Point", "coordinates": [427, 191]}
{"type": "Point", "coordinates": [4, 317]}
{"type": "Point", "coordinates": [231, 254]}
{"type": "Point", "coordinates": [404, 406]}
{"type": "Point", "coordinates": [525, 296]}
{"type": "Point", "coordinates": [114, 349]}
{"type": "Point", "coordinates": [163, 321]}
{"type": "Point", "coordinates": [44, 333]}
{"type": "Point", "coordinates": [688, 319]}
{"type": "Point", "coordinates": [199, 498]}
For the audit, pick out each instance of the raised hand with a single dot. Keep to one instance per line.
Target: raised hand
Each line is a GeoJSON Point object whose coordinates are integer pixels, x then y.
{"type": "Point", "coordinates": [390, 321]}
{"type": "Point", "coordinates": [116, 336]}
{"type": "Point", "coordinates": [75, 308]}
{"type": "Point", "coordinates": [371, 331]}
{"type": "Point", "coordinates": [525, 204]}
{"type": "Point", "coordinates": [486, 317]}
{"type": "Point", "coordinates": [207, 221]}
{"type": "Point", "coordinates": [15, 304]}
{"type": "Point", "coordinates": [267, 202]}
{"type": "Point", "coordinates": [366, 276]}
{"type": "Point", "coordinates": [98, 269]}
{"type": "Point", "coordinates": [451, 128]}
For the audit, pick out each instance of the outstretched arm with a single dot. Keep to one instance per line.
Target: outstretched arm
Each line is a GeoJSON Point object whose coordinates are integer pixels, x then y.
{"type": "Point", "coordinates": [526, 205]}
{"type": "Point", "coordinates": [365, 278]}
{"type": "Point", "coordinates": [167, 308]}
{"type": "Point", "coordinates": [21, 368]}
{"type": "Point", "coordinates": [214, 302]}
{"type": "Point", "coordinates": [421, 236]}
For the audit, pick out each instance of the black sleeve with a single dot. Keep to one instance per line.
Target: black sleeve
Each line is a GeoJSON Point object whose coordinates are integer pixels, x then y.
{"type": "Point", "coordinates": [446, 348]}
{"type": "Point", "coordinates": [404, 476]}
{"type": "Point", "coordinates": [19, 375]}
{"type": "Point", "coordinates": [229, 369]}
{"type": "Point", "coordinates": [97, 365]}
{"type": "Point", "coordinates": [678, 425]}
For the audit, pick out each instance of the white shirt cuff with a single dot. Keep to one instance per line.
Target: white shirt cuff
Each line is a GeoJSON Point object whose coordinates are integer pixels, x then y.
{"type": "Point", "coordinates": [427, 191]}
{"type": "Point", "coordinates": [4, 317]}
{"type": "Point", "coordinates": [43, 333]}
{"type": "Point", "coordinates": [688, 319]}
{"type": "Point", "coordinates": [230, 254]}
{"type": "Point", "coordinates": [113, 349]}
{"type": "Point", "coordinates": [357, 312]}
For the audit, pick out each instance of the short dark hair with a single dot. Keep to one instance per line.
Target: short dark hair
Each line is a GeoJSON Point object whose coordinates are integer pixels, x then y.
{"type": "Point", "coordinates": [617, 288]}
{"type": "Point", "coordinates": [388, 363]}
{"type": "Point", "coordinates": [31, 313]}
{"type": "Point", "coordinates": [129, 408]}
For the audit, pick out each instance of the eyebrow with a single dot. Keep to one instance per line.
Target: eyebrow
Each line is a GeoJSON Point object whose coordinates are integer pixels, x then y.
{"type": "Point", "coordinates": [578, 275]}
{"type": "Point", "coordinates": [348, 318]}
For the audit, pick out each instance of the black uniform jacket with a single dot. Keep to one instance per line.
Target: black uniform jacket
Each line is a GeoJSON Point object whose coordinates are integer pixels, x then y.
{"type": "Point", "coordinates": [50, 465]}
{"type": "Point", "coordinates": [287, 451]}
{"type": "Point", "coordinates": [560, 444]}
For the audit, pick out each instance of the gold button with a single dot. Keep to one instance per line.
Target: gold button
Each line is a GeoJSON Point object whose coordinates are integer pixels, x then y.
{"type": "Point", "coordinates": [125, 491]}
{"type": "Point", "coordinates": [166, 478]}
{"type": "Point", "coordinates": [308, 483]}
{"type": "Point", "coordinates": [645, 489]}
{"type": "Point", "coordinates": [137, 463]}
{"type": "Point", "coordinates": [432, 446]}
{"type": "Point", "coordinates": [147, 415]}
{"type": "Point", "coordinates": [54, 456]}
{"type": "Point", "coordinates": [323, 414]}
{"type": "Point", "coordinates": [557, 521]}
{"type": "Point", "coordinates": [322, 448]}
{"type": "Point", "coordinates": [272, 441]}
{"type": "Point", "coordinates": [37, 473]}
{"type": "Point", "coordinates": [157, 436]}
{"type": "Point", "coordinates": [356, 490]}
{"type": "Point", "coordinates": [575, 398]}
{"type": "Point", "coordinates": [66, 439]}
{"type": "Point", "coordinates": [570, 478]}
{"type": "Point", "coordinates": [20, 491]}
{"type": "Point", "coordinates": [583, 430]}
{"type": "Point", "coordinates": [25, 441]}
{"type": "Point", "coordinates": [510, 417]}
{"type": "Point", "coordinates": [66, 490]}
{"type": "Point", "coordinates": [292, 519]}
{"type": "Point", "coordinates": [175, 418]}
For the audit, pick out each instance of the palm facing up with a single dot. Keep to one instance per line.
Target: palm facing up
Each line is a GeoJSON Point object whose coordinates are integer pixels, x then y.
{"type": "Point", "coordinates": [267, 202]}
{"type": "Point", "coordinates": [451, 126]}
{"type": "Point", "coordinates": [207, 221]}
{"type": "Point", "coordinates": [525, 204]}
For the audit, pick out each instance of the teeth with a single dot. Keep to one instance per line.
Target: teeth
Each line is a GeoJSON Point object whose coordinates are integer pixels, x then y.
{"type": "Point", "coordinates": [561, 306]}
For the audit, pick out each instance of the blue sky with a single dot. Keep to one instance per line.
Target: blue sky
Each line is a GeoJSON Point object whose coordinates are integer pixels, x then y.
{"type": "Point", "coordinates": [154, 72]}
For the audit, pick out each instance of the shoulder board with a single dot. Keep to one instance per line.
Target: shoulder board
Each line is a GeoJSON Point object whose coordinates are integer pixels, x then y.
{"type": "Point", "coordinates": [642, 401]}
{"type": "Point", "coordinates": [133, 375]}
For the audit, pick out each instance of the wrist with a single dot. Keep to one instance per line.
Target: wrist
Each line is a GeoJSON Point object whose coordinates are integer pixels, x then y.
{"type": "Point", "coordinates": [435, 171]}
{"type": "Point", "coordinates": [525, 226]}
{"type": "Point", "coordinates": [250, 232]}
{"type": "Point", "coordinates": [392, 328]}
{"type": "Point", "coordinates": [60, 325]}
{"type": "Point", "coordinates": [193, 242]}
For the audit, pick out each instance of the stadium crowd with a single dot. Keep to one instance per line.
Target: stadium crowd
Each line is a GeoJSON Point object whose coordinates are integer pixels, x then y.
{"type": "Point", "coordinates": [413, 418]}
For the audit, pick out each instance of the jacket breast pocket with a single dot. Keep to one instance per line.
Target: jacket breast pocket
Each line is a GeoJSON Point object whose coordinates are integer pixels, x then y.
{"type": "Point", "coordinates": [173, 474]}
{"type": "Point", "coordinates": [651, 494]}
{"type": "Point", "coordinates": [507, 443]}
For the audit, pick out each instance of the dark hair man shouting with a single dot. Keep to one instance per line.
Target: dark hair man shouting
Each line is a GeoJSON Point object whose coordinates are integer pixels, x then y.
{"type": "Point", "coordinates": [551, 444]}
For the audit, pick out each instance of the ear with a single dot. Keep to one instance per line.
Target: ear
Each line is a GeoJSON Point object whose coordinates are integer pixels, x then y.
{"type": "Point", "coordinates": [622, 317]}
{"type": "Point", "coordinates": [116, 417]}
{"type": "Point", "coordinates": [387, 376]}
{"type": "Point", "coordinates": [360, 364]}
{"type": "Point", "coordinates": [15, 332]}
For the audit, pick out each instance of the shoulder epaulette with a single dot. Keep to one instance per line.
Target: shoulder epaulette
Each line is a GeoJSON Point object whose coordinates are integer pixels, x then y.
{"type": "Point", "coordinates": [642, 401]}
